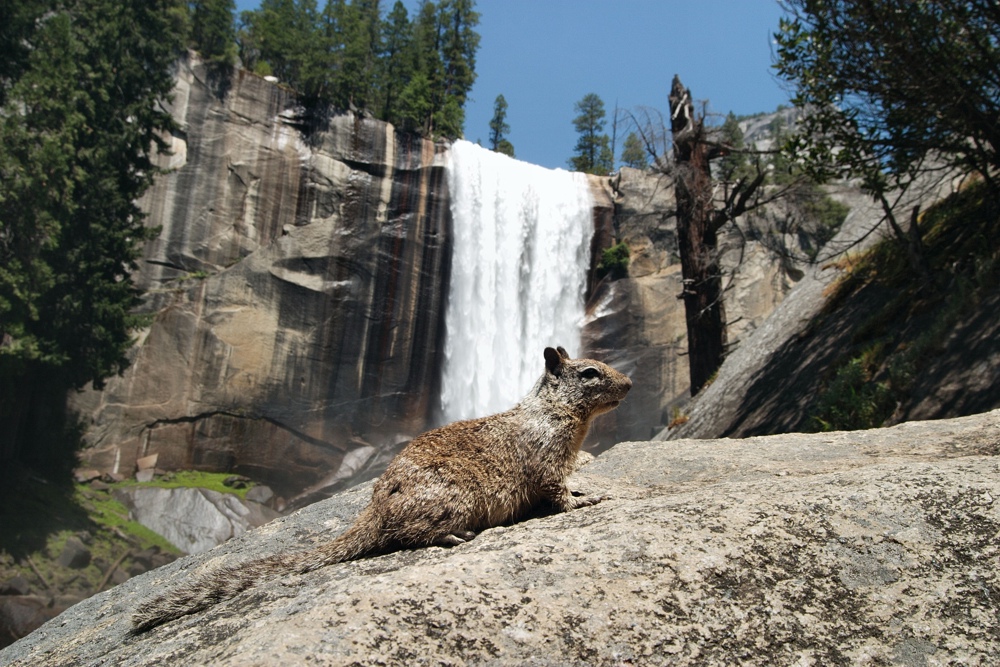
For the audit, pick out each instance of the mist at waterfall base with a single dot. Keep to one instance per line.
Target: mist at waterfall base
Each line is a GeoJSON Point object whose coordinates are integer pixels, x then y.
{"type": "Point", "coordinates": [519, 268]}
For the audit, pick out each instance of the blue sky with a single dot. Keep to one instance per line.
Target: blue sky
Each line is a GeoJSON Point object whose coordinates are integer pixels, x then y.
{"type": "Point", "coordinates": [544, 55]}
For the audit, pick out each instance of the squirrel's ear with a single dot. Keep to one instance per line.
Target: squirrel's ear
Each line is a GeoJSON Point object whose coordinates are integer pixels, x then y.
{"type": "Point", "coordinates": [553, 360]}
{"type": "Point", "coordinates": [562, 352]}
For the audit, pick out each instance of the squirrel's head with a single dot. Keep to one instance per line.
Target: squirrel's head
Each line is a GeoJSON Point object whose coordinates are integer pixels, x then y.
{"type": "Point", "coordinates": [587, 384]}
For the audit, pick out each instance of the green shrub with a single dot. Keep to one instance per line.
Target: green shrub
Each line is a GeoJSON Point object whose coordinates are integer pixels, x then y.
{"type": "Point", "coordinates": [853, 401]}
{"type": "Point", "coordinates": [614, 262]}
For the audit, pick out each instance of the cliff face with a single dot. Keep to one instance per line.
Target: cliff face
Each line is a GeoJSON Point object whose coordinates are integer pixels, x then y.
{"type": "Point", "coordinates": [637, 323]}
{"type": "Point", "coordinates": [297, 289]}
{"type": "Point", "coordinates": [296, 292]}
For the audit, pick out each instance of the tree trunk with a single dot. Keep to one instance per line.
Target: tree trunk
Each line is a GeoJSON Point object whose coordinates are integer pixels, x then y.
{"type": "Point", "coordinates": [696, 236]}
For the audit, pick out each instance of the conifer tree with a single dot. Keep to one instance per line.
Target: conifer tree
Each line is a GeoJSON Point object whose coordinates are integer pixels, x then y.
{"type": "Point", "coordinates": [633, 153]}
{"type": "Point", "coordinates": [213, 32]}
{"type": "Point", "coordinates": [354, 78]}
{"type": "Point", "coordinates": [734, 165]}
{"type": "Point", "coordinates": [82, 115]}
{"type": "Point", "coordinates": [593, 150]}
{"type": "Point", "coordinates": [395, 68]}
{"type": "Point", "coordinates": [460, 42]}
{"type": "Point", "coordinates": [420, 98]}
{"type": "Point", "coordinates": [284, 32]}
{"type": "Point", "coordinates": [499, 128]}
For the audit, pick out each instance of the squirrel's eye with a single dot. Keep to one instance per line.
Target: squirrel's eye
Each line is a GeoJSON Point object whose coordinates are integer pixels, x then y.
{"type": "Point", "coordinates": [589, 373]}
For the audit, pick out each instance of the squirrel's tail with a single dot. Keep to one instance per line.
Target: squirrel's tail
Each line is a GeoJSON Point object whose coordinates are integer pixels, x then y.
{"type": "Point", "coordinates": [363, 538]}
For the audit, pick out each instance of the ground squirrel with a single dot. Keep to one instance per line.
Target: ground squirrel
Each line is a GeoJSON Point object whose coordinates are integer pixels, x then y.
{"type": "Point", "coordinates": [446, 485]}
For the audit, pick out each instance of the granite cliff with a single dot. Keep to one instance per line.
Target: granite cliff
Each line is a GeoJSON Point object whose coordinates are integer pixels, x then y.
{"type": "Point", "coordinates": [296, 295]}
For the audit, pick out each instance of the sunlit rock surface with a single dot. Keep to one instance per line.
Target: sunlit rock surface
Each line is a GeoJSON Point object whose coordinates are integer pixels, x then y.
{"type": "Point", "coordinates": [869, 547]}
{"type": "Point", "coordinates": [193, 520]}
{"type": "Point", "coordinates": [296, 286]}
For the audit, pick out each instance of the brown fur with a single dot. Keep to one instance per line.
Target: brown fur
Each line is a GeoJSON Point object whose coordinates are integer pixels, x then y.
{"type": "Point", "coordinates": [447, 484]}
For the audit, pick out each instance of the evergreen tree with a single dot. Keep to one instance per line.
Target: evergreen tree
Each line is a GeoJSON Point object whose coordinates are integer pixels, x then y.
{"type": "Point", "coordinates": [213, 32]}
{"type": "Point", "coordinates": [460, 42]}
{"type": "Point", "coordinates": [633, 153]}
{"type": "Point", "coordinates": [416, 75]}
{"type": "Point", "coordinates": [421, 93]}
{"type": "Point", "coordinates": [82, 115]}
{"type": "Point", "coordinates": [415, 107]}
{"type": "Point", "coordinates": [17, 23]}
{"type": "Point", "coordinates": [593, 150]}
{"type": "Point", "coordinates": [284, 32]}
{"type": "Point", "coordinates": [443, 52]}
{"type": "Point", "coordinates": [734, 164]}
{"type": "Point", "coordinates": [395, 69]}
{"type": "Point", "coordinates": [354, 79]}
{"type": "Point", "coordinates": [248, 44]}
{"type": "Point", "coordinates": [499, 128]}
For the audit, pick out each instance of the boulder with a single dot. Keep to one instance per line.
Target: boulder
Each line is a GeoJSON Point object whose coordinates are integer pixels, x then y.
{"type": "Point", "coordinates": [871, 547]}
{"type": "Point", "coordinates": [193, 520]}
{"type": "Point", "coordinates": [75, 554]}
{"type": "Point", "coordinates": [16, 585]}
{"type": "Point", "coordinates": [260, 494]}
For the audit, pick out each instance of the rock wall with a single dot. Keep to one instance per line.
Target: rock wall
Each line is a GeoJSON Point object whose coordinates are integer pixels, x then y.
{"type": "Point", "coordinates": [638, 325]}
{"type": "Point", "coordinates": [768, 384]}
{"type": "Point", "coordinates": [869, 547]}
{"type": "Point", "coordinates": [295, 293]}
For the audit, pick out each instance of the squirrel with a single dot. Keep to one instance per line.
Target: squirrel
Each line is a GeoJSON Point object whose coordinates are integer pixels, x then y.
{"type": "Point", "coordinates": [446, 485]}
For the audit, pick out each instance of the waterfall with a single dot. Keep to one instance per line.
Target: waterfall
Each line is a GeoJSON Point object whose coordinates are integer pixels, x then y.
{"type": "Point", "coordinates": [519, 266]}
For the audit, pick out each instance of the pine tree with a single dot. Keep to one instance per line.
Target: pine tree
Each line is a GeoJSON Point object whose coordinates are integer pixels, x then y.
{"type": "Point", "coordinates": [443, 53]}
{"type": "Point", "coordinates": [416, 75]}
{"type": "Point", "coordinates": [418, 99]}
{"type": "Point", "coordinates": [633, 153]}
{"type": "Point", "coordinates": [354, 79]}
{"type": "Point", "coordinates": [499, 128]}
{"type": "Point", "coordinates": [593, 150]}
{"type": "Point", "coordinates": [734, 165]}
{"type": "Point", "coordinates": [460, 42]}
{"type": "Point", "coordinates": [415, 107]}
{"type": "Point", "coordinates": [81, 120]}
{"type": "Point", "coordinates": [213, 32]}
{"type": "Point", "coordinates": [395, 68]}
{"type": "Point", "coordinates": [285, 32]}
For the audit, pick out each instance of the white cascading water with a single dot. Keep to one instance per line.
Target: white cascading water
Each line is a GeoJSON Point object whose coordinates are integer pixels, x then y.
{"type": "Point", "coordinates": [519, 267]}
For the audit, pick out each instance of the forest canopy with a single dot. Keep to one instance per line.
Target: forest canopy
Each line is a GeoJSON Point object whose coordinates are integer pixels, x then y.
{"type": "Point", "coordinates": [81, 87]}
{"type": "Point", "coordinates": [890, 82]}
{"type": "Point", "coordinates": [415, 73]}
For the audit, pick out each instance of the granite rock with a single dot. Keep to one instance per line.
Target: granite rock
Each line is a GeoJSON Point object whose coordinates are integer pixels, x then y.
{"type": "Point", "coordinates": [295, 292]}
{"type": "Point", "coordinates": [870, 547]}
{"type": "Point", "coordinates": [193, 520]}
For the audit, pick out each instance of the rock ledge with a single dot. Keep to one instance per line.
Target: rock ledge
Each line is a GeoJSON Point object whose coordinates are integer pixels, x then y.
{"type": "Point", "coordinates": [874, 547]}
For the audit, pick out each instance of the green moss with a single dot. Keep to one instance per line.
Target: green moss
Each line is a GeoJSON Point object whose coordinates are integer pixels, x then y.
{"type": "Point", "coordinates": [192, 479]}
{"type": "Point", "coordinates": [110, 514]}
